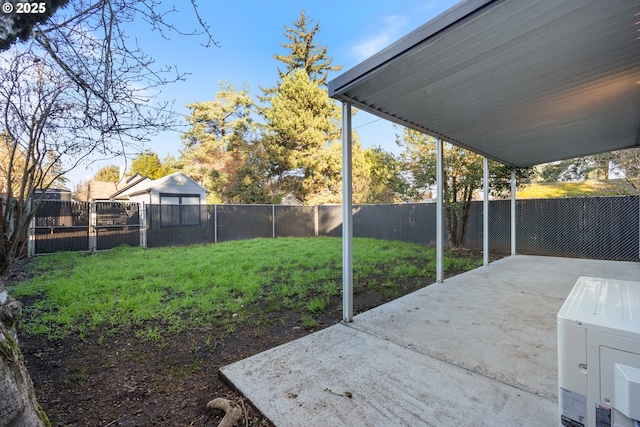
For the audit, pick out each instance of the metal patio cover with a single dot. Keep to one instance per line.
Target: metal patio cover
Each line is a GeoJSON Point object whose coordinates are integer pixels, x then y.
{"type": "Point", "coordinates": [521, 81]}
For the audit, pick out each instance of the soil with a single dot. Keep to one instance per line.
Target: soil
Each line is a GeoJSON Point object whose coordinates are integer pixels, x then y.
{"type": "Point", "coordinates": [161, 378]}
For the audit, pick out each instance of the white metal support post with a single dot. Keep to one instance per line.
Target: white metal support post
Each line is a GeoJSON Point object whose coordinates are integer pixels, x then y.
{"type": "Point", "coordinates": [513, 211]}
{"type": "Point", "coordinates": [347, 221]}
{"type": "Point", "coordinates": [485, 211]}
{"type": "Point", "coordinates": [439, 209]}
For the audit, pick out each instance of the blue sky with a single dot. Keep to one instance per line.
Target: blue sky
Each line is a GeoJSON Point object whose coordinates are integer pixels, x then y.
{"type": "Point", "coordinates": [249, 33]}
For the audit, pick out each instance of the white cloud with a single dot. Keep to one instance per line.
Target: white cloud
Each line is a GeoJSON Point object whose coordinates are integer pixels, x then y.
{"type": "Point", "coordinates": [391, 28]}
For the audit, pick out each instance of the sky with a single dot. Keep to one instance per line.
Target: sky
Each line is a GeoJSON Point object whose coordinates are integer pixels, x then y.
{"type": "Point", "coordinates": [249, 33]}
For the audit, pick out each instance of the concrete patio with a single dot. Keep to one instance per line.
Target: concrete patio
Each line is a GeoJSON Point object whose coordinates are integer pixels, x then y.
{"type": "Point", "coordinates": [478, 349]}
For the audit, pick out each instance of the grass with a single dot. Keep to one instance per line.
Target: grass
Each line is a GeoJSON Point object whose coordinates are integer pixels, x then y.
{"type": "Point", "coordinates": [194, 286]}
{"type": "Point", "coordinates": [590, 188]}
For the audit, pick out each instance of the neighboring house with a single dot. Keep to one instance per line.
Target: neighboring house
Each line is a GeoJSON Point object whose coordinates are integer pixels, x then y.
{"type": "Point", "coordinates": [100, 190]}
{"type": "Point", "coordinates": [54, 194]}
{"type": "Point", "coordinates": [290, 199]}
{"type": "Point", "coordinates": [174, 189]}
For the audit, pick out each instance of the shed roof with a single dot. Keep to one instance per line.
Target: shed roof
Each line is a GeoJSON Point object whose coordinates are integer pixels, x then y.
{"type": "Point", "coordinates": [100, 190]}
{"type": "Point", "coordinates": [520, 81]}
{"type": "Point", "coordinates": [125, 184]}
{"type": "Point", "coordinates": [184, 184]}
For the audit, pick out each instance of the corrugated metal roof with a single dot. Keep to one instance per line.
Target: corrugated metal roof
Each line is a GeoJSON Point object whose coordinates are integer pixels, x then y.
{"type": "Point", "coordinates": [521, 81]}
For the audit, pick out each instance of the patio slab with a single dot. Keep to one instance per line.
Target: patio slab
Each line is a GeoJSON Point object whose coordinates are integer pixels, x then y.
{"type": "Point", "coordinates": [477, 349]}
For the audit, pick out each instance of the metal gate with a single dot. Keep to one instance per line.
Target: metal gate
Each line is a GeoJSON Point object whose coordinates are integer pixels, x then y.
{"type": "Point", "coordinates": [81, 226]}
{"type": "Point", "coordinates": [60, 226]}
{"type": "Point", "coordinates": [116, 223]}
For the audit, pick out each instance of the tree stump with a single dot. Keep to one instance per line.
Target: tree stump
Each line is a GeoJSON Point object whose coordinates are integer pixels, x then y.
{"type": "Point", "coordinates": [18, 406]}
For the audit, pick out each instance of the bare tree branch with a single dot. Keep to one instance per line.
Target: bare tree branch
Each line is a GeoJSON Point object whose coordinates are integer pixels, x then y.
{"type": "Point", "coordinates": [81, 87]}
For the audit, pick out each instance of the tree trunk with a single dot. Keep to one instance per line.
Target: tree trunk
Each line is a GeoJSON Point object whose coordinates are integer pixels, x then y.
{"type": "Point", "coordinates": [466, 209]}
{"type": "Point", "coordinates": [452, 226]}
{"type": "Point", "coordinates": [18, 405]}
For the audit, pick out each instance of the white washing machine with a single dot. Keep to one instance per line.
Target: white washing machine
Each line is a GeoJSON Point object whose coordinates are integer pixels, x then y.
{"type": "Point", "coordinates": [599, 354]}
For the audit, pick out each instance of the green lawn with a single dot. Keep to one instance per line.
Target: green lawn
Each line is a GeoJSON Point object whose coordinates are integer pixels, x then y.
{"type": "Point", "coordinates": [589, 188]}
{"type": "Point", "coordinates": [193, 286]}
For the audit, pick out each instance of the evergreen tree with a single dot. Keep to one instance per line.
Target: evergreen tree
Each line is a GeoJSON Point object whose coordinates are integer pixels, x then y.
{"type": "Point", "coordinates": [218, 151]}
{"type": "Point", "coordinates": [301, 124]}
{"type": "Point", "coordinates": [304, 52]}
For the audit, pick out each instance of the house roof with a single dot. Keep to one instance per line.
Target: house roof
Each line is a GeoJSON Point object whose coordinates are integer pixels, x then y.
{"type": "Point", "coordinates": [101, 190]}
{"type": "Point", "coordinates": [147, 185]}
{"type": "Point", "coordinates": [128, 183]}
{"type": "Point", "coordinates": [520, 81]}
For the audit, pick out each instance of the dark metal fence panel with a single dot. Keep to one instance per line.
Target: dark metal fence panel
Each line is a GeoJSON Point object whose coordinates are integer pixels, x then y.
{"type": "Point", "coordinates": [610, 228]}
{"type": "Point", "coordinates": [110, 237]}
{"type": "Point", "coordinates": [594, 227]}
{"type": "Point", "coordinates": [330, 220]}
{"type": "Point", "coordinates": [61, 226]}
{"type": "Point", "coordinates": [179, 215]}
{"type": "Point", "coordinates": [295, 221]}
{"type": "Point", "coordinates": [60, 239]}
{"type": "Point", "coordinates": [414, 223]}
{"type": "Point", "coordinates": [598, 227]}
{"type": "Point", "coordinates": [117, 223]}
{"type": "Point", "coordinates": [177, 225]}
{"type": "Point", "coordinates": [499, 226]}
{"type": "Point", "coordinates": [238, 222]}
{"type": "Point", "coordinates": [589, 227]}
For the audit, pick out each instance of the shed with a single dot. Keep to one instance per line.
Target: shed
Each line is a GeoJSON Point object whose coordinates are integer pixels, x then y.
{"type": "Point", "coordinates": [174, 189]}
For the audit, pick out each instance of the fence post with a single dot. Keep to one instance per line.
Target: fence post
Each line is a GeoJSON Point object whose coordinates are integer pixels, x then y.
{"type": "Point", "coordinates": [273, 221]}
{"type": "Point", "coordinates": [513, 211]}
{"type": "Point", "coordinates": [315, 221]}
{"type": "Point", "coordinates": [215, 223]}
{"type": "Point", "coordinates": [142, 218]}
{"type": "Point", "coordinates": [93, 244]}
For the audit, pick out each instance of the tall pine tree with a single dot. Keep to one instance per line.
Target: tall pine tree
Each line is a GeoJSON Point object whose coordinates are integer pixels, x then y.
{"type": "Point", "coordinates": [302, 122]}
{"type": "Point", "coordinates": [304, 52]}
{"type": "Point", "coordinates": [218, 149]}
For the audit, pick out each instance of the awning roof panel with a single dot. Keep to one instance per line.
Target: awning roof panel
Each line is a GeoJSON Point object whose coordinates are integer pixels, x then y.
{"type": "Point", "coordinates": [521, 81]}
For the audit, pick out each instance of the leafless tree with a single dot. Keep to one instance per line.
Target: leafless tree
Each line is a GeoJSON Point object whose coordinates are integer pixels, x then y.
{"type": "Point", "coordinates": [73, 85]}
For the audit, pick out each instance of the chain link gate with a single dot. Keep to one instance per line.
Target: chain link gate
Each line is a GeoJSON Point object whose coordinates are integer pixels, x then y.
{"type": "Point", "coordinates": [60, 226]}
{"type": "Point", "coordinates": [82, 226]}
{"type": "Point", "coordinates": [114, 224]}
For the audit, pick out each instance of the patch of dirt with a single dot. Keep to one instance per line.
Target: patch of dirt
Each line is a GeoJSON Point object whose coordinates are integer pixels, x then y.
{"type": "Point", "coordinates": [160, 378]}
